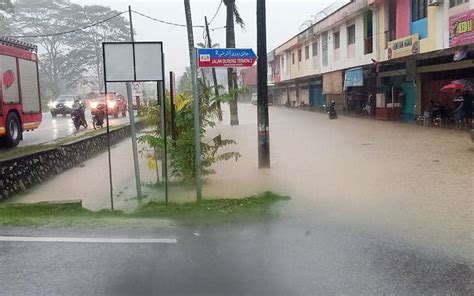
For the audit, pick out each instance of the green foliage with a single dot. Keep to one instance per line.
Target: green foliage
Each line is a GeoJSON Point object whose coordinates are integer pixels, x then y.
{"type": "Point", "coordinates": [182, 150]}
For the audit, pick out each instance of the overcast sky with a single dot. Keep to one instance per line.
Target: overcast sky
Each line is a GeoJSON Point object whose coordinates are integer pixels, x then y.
{"type": "Point", "coordinates": [284, 18]}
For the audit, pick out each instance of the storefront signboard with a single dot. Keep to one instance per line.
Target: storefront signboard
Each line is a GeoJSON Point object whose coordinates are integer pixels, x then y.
{"type": "Point", "coordinates": [461, 28]}
{"type": "Point", "coordinates": [403, 47]}
{"type": "Point", "coordinates": [354, 77]}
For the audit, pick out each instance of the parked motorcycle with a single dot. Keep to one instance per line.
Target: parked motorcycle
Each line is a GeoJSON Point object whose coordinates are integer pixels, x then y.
{"type": "Point", "coordinates": [98, 116]}
{"type": "Point", "coordinates": [78, 116]}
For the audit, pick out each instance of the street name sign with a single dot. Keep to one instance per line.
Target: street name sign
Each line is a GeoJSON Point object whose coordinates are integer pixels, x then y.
{"type": "Point", "coordinates": [226, 57]}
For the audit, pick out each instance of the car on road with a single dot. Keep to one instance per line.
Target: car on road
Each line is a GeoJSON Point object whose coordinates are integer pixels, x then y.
{"type": "Point", "coordinates": [254, 99]}
{"type": "Point", "coordinates": [117, 104]}
{"type": "Point", "coordinates": [63, 105]}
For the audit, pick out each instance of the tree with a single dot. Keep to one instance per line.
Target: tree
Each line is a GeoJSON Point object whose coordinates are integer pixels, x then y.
{"type": "Point", "coordinates": [232, 12]}
{"type": "Point", "coordinates": [88, 49]}
{"type": "Point", "coordinates": [6, 5]}
{"type": "Point", "coordinates": [58, 67]}
{"type": "Point", "coordinates": [6, 14]}
{"type": "Point", "coordinates": [73, 59]}
{"type": "Point", "coordinates": [185, 83]}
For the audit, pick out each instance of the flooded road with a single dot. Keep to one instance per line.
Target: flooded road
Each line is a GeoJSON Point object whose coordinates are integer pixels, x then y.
{"type": "Point", "coordinates": [403, 179]}
{"type": "Point", "coordinates": [376, 209]}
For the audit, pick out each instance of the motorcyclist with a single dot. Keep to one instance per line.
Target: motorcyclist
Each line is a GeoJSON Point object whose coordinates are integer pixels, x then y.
{"type": "Point", "coordinates": [332, 110]}
{"type": "Point", "coordinates": [79, 109]}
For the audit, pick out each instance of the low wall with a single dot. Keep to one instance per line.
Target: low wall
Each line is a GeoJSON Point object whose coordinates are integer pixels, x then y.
{"type": "Point", "coordinates": [21, 173]}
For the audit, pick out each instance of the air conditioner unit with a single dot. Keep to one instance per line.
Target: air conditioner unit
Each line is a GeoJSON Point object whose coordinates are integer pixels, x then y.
{"type": "Point", "coordinates": [434, 2]}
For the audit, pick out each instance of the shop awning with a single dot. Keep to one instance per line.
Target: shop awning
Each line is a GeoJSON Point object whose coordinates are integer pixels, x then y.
{"type": "Point", "coordinates": [332, 83]}
{"type": "Point", "coordinates": [354, 77]}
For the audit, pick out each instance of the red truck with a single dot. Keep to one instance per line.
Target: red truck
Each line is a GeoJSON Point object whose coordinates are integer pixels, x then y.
{"type": "Point", "coordinates": [20, 102]}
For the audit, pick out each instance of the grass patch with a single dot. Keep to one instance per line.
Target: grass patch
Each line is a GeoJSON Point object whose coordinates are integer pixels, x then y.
{"type": "Point", "coordinates": [216, 211]}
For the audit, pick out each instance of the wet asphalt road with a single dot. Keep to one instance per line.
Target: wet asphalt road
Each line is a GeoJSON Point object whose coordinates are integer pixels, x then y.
{"type": "Point", "coordinates": [59, 127]}
{"type": "Point", "coordinates": [284, 257]}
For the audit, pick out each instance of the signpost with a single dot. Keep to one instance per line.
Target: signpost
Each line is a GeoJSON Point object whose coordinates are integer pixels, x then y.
{"type": "Point", "coordinates": [134, 62]}
{"type": "Point", "coordinates": [226, 57]}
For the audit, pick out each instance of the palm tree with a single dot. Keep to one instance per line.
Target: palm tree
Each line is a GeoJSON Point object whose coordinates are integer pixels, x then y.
{"type": "Point", "coordinates": [232, 12]}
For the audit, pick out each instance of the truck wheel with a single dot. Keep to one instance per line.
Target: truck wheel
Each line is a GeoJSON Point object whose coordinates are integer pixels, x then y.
{"type": "Point", "coordinates": [14, 131]}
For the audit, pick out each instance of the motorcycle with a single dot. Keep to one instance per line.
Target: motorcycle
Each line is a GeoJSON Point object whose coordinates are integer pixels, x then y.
{"type": "Point", "coordinates": [78, 117]}
{"type": "Point", "coordinates": [331, 110]}
{"type": "Point", "coordinates": [98, 117]}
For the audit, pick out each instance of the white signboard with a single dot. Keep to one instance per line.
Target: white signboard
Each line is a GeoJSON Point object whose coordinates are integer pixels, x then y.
{"type": "Point", "coordinates": [137, 90]}
{"type": "Point", "coordinates": [138, 61]}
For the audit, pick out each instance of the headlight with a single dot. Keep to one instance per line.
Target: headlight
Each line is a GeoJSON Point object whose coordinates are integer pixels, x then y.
{"type": "Point", "coordinates": [52, 104]}
{"type": "Point", "coordinates": [69, 104]}
{"type": "Point", "coordinates": [94, 105]}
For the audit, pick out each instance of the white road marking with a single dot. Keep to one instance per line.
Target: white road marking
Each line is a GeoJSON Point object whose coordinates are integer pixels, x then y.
{"type": "Point", "coordinates": [89, 240]}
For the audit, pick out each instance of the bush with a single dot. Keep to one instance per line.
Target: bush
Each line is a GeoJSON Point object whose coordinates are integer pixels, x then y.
{"type": "Point", "coordinates": [181, 136]}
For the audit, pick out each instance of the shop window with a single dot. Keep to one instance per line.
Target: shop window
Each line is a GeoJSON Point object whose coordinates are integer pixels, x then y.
{"type": "Point", "coordinates": [453, 3]}
{"type": "Point", "coordinates": [315, 49]}
{"type": "Point", "coordinates": [351, 34]}
{"type": "Point", "coordinates": [337, 40]}
{"type": "Point", "coordinates": [306, 52]}
{"type": "Point", "coordinates": [419, 9]}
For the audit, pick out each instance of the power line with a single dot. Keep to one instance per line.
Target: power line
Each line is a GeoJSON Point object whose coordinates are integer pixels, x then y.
{"type": "Point", "coordinates": [215, 14]}
{"type": "Point", "coordinates": [162, 21]}
{"type": "Point", "coordinates": [70, 31]}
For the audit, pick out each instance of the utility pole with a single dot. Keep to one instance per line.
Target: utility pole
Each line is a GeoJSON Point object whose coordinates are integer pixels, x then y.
{"type": "Point", "coordinates": [262, 102]}
{"type": "Point", "coordinates": [197, 124]}
{"type": "Point", "coordinates": [131, 114]}
{"type": "Point", "coordinates": [214, 74]}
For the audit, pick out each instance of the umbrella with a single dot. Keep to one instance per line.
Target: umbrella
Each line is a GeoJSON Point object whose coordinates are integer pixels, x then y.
{"type": "Point", "coordinates": [453, 87]}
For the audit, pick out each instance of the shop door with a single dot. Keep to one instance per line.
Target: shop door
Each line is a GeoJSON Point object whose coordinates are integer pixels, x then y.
{"type": "Point", "coordinates": [408, 111]}
{"type": "Point", "coordinates": [316, 98]}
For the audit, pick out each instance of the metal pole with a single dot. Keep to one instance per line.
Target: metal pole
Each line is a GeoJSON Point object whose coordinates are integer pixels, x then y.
{"type": "Point", "coordinates": [111, 187]}
{"type": "Point", "coordinates": [131, 114]}
{"type": "Point", "coordinates": [262, 102]}
{"type": "Point", "coordinates": [197, 126]}
{"type": "Point", "coordinates": [165, 140]}
{"type": "Point", "coordinates": [214, 74]}
{"type": "Point", "coordinates": [172, 106]}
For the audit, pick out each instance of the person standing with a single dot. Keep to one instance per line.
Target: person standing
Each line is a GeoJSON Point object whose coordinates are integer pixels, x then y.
{"type": "Point", "coordinates": [458, 108]}
{"type": "Point", "coordinates": [467, 106]}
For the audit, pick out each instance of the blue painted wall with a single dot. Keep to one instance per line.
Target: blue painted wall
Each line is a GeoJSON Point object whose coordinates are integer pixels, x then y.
{"type": "Point", "coordinates": [420, 27]}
